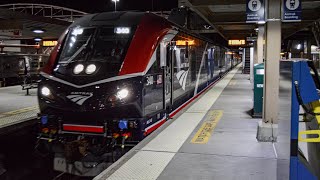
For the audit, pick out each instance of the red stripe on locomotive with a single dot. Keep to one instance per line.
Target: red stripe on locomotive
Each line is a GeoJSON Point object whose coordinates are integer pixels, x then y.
{"type": "Point", "coordinates": [148, 34]}
{"type": "Point", "coordinates": [80, 128]}
{"type": "Point", "coordinates": [48, 68]}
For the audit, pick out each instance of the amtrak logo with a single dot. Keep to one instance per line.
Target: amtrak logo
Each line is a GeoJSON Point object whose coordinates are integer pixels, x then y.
{"type": "Point", "coordinates": [79, 97]}
{"type": "Point", "coordinates": [182, 77]}
{"type": "Point", "coordinates": [292, 4]}
{"type": "Point", "coordinates": [254, 5]}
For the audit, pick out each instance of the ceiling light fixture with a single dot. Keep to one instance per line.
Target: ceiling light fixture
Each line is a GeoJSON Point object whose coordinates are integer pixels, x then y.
{"type": "Point", "coordinates": [37, 39]}
{"type": "Point", "coordinates": [38, 31]}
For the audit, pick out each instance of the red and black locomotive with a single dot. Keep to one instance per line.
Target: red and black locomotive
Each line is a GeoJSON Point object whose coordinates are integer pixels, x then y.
{"type": "Point", "coordinates": [114, 78]}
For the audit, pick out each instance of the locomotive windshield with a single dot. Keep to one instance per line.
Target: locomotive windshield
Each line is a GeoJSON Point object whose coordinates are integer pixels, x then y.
{"type": "Point", "coordinates": [106, 44]}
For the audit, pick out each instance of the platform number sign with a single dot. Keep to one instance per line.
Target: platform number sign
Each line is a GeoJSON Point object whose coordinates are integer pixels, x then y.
{"type": "Point", "coordinates": [291, 10]}
{"type": "Point", "coordinates": [255, 11]}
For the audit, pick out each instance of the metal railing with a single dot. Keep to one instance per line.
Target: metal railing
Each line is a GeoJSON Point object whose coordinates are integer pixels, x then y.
{"type": "Point", "coordinates": [45, 10]}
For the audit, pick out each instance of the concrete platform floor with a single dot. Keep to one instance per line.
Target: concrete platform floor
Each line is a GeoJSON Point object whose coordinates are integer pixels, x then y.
{"type": "Point", "coordinates": [16, 107]}
{"type": "Point", "coordinates": [231, 153]}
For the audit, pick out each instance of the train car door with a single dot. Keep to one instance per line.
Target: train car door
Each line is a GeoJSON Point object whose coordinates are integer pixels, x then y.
{"type": "Point", "coordinates": [166, 54]}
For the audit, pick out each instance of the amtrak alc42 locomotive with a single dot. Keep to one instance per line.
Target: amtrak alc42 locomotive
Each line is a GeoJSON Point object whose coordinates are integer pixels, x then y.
{"type": "Point", "coordinates": [113, 79]}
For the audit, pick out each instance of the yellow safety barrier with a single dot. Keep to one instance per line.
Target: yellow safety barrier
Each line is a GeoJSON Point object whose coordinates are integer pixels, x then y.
{"type": "Point", "coordinates": [309, 132]}
{"type": "Point", "coordinates": [316, 109]}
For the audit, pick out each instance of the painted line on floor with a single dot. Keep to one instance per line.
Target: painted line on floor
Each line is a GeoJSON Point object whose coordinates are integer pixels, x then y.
{"type": "Point", "coordinates": [205, 131]}
{"type": "Point", "coordinates": [19, 111]}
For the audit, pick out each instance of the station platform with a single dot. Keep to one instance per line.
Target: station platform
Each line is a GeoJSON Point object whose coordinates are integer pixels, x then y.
{"type": "Point", "coordinates": [213, 138]}
{"type": "Point", "coordinates": [16, 108]}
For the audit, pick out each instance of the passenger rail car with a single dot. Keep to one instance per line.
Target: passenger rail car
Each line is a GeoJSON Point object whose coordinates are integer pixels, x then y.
{"type": "Point", "coordinates": [114, 78]}
{"type": "Point", "coordinates": [14, 66]}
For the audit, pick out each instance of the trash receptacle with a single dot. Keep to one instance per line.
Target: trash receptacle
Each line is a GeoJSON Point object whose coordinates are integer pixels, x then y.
{"type": "Point", "coordinates": [258, 90]}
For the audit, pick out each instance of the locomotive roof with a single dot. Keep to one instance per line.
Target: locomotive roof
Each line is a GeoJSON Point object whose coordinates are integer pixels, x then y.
{"type": "Point", "coordinates": [127, 18]}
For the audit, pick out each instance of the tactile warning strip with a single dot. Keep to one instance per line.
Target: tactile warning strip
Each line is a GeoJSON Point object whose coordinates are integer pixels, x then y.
{"type": "Point", "coordinates": [145, 165]}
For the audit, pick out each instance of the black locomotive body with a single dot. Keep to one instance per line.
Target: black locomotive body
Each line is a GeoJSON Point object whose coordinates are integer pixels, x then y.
{"type": "Point", "coordinates": [114, 78]}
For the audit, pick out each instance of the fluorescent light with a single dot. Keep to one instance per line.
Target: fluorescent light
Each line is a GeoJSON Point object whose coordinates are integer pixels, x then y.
{"type": "Point", "coordinates": [122, 30]}
{"type": "Point", "coordinates": [37, 39]}
{"type": "Point", "coordinates": [77, 31]}
{"type": "Point", "coordinates": [261, 22]}
{"type": "Point", "coordinates": [299, 46]}
{"type": "Point", "coordinates": [73, 39]}
{"type": "Point", "coordinates": [115, 0]}
{"type": "Point", "coordinates": [38, 31]}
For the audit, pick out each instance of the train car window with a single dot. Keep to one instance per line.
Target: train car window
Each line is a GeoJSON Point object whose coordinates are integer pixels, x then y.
{"type": "Point", "coordinates": [7, 66]}
{"type": "Point", "coordinates": [21, 64]}
{"type": "Point", "coordinates": [193, 64]}
{"type": "Point", "coordinates": [210, 62]}
{"type": "Point", "coordinates": [153, 86]}
{"type": "Point", "coordinates": [155, 68]}
{"type": "Point", "coordinates": [76, 43]}
{"type": "Point", "coordinates": [163, 54]}
{"type": "Point", "coordinates": [34, 64]}
{"type": "Point", "coordinates": [110, 47]}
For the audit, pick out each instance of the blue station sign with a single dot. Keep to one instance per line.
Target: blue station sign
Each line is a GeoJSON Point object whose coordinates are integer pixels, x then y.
{"type": "Point", "coordinates": [291, 10]}
{"type": "Point", "coordinates": [255, 11]}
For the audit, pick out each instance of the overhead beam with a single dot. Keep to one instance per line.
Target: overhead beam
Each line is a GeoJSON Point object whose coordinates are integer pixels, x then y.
{"type": "Point", "coordinates": [212, 2]}
{"type": "Point", "coordinates": [206, 31]}
{"type": "Point", "coordinates": [202, 14]}
{"type": "Point", "coordinates": [225, 2]}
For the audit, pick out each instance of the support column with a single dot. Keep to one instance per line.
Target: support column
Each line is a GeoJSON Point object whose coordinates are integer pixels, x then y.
{"type": "Point", "coordinates": [251, 64]}
{"type": "Point", "coordinates": [255, 61]}
{"type": "Point", "coordinates": [260, 45]}
{"type": "Point", "coordinates": [268, 127]}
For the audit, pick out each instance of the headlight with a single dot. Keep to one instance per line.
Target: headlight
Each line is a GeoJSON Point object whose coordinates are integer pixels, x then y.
{"type": "Point", "coordinates": [78, 69]}
{"type": "Point", "coordinates": [91, 69]}
{"type": "Point", "coordinates": [45, 91]}
{"type": "Point", "coordinates": [123, 93]}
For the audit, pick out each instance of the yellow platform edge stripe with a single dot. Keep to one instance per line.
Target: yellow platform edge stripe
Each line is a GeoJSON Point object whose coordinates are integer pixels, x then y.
{"type": "Point", "coordinates": [19, 111]}
{"type": "Point", "coordinates": [205, 131]}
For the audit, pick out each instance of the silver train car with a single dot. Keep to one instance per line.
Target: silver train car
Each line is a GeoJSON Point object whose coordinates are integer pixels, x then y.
{"type": "Point", "coordinates": [14, 67]}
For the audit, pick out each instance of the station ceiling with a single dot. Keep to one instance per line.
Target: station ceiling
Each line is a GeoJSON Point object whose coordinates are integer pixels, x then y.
{"type": "Point", "coordinates": [26, 23]}
{"type": "Point", "coordinates": [26, 17]}
{"type": "Point", "coordinates": [229, 17]}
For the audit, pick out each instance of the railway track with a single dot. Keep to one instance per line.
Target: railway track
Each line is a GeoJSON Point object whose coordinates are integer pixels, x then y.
{"type": "Point", "coordinates": [19, 160]}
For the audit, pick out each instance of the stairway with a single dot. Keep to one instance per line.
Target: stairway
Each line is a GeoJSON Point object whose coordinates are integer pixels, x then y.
{"type": "Point", "coordinates": [246, 69]}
